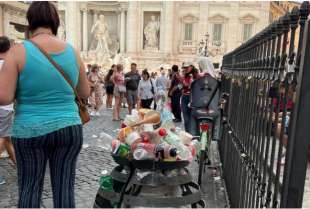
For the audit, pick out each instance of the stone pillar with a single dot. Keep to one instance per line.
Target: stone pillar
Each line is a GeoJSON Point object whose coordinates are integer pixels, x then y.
{"type": "Point", "coordinates": [6, 23]}
{"type": "Point", "coordinates": [132, 26]}
{"type": "Point", "coordinates": [1, 21]}
{"type": "Point", "coordinates": [72, 28]}
{"type": "Point", "coordinates": [85, 31]}
{"type": "Point", "coordinates": [168, 28]}
{"type": "Point", "coordinates": [233, 26]}
{"type": "Point", "coordinates": [122, 33]}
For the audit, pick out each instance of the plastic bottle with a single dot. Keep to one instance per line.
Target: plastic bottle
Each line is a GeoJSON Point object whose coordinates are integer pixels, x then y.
{"type": "Point", "coordinates": [166, 152]}
{"type": "Point", "coordinates": [119, 148]}
{"type": "Point", "coordinates": [174, 140]}
{"type": "Point", "coordinates": [194, 147]}
{"type": "Point", "coordinates": [197, 145]}
{"type": "Point", "coordinates": [142, 154]}
{"type": "Point", "coordinates": [114, 145]}
{"type": "Point", "coordinates": [132, 137]}
{"type": "Point", "coordinates": [123, 133]}
{"type": "Point", "coordinates": [163, 151]}
{"type": "Point", "coordinates": [106, 183]}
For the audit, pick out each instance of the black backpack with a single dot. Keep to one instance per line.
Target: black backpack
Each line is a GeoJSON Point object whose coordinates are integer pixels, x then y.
{"type": "Point", "coordinates": [203, 91]}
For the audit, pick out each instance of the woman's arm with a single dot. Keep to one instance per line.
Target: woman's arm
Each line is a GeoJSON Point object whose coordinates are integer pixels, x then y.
{"type": "Point", "coordinates": [114, 77]}
{"type": "Point", "coordinates": [8, 77]}
{"type": "Point", "coordinates": [82, 88]}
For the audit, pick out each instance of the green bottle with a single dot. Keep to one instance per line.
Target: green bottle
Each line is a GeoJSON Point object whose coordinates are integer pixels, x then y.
{"type": "Point", "coordinates": [106, 183]}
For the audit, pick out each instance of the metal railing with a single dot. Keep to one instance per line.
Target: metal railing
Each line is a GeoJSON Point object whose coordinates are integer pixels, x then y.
{"type": "Point", "coordinates": [266, 132]}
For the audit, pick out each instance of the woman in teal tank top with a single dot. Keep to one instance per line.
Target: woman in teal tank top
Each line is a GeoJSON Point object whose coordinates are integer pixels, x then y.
{"type": "Point", "coordinates": [47, 126]}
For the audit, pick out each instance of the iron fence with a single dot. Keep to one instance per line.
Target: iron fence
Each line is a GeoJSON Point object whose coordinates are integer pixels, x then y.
{"type": "Point", "coordinates": [265, 139]}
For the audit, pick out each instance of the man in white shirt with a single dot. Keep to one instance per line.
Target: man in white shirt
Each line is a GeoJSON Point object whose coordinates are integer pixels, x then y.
{"type": "Point", "coordinates": [6, 112]}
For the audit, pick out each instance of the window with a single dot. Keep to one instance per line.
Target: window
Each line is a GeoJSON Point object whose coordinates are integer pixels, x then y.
{"type": "Point", "coordinates": [188, 32]}
{"type": "Point", "coordinates": [217, 32]}
{"type": "Point", "coordinates": [247, 31]}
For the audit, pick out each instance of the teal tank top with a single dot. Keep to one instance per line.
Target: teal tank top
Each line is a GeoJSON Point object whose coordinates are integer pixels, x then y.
{"type": "Point", "coordinates": [45, 102]}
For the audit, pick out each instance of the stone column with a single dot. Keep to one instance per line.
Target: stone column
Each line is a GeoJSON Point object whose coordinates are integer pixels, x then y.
{"type": "Point", "coordinates": [132, 24]}
{"type": "Point", "coordinates": [6, 22]}
{"type": "Point", "coordinates": [122, 33]}
{"type": "Point", "coordinates": [233, 32]}
{"type": "Point", "coordinates": [1, 21]}
{"type": "Point", "coordinates": [72, 15]}
{"type": "Point", "coordinates": [85, 31]}
{"type": "Point", "coordinates": [168, 28]}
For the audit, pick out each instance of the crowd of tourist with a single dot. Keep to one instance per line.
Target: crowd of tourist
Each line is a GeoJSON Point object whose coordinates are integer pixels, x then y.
{"type": "Point", "coordinates": [137, 89]}
{"type": "Point", "coordinates": [142, 89]}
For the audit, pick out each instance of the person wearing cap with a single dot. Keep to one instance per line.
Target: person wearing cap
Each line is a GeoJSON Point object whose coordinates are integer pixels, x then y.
{"type": "Point", "coordinates": [187, 79]}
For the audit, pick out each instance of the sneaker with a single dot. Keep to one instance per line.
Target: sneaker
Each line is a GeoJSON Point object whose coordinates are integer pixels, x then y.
{"type": "Point", "coordinates": [92, 113]}
{"type": "Point", "coordinates": [2, 180]}
{"type": "Point", "coordinates": [4, 154]}
{"type": "Point", "coordinates": [177, 120]}
{"type": "Point", "coordinates": [97, 114]}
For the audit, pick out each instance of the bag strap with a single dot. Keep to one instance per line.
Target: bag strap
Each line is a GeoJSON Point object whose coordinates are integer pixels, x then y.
{"type": "Point", "coordinates": [152, 87]}
{"type": "Point", "coordinates": [58, 68]}
{"type": "Point", "coordinates": [213, 94]}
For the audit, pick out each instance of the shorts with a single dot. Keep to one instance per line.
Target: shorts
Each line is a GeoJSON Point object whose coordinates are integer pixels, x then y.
{"type": "Point", "coordinates": [132, 97]}
{"type": "Point", "coordinates": [6, 121]}
{"type": "Point", "coordinates": [109, 89]}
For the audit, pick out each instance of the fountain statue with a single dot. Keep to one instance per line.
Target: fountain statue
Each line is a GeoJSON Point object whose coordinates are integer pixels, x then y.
{"type": "Point", "coordinates": [151, 32]}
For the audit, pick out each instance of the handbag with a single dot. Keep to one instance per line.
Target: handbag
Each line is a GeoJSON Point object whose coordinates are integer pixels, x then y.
{"type": "Point", "coordinates": [122, 89]}
{"type": "Point", "coordinates": [81, 105]}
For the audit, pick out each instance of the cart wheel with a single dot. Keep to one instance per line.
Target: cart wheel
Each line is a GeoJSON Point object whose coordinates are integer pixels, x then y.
{"type": "Point", "coordinates": [117, 186]}
{"type": "Point", "coordinates": [100, 202]}
{"type": "Point", "coordinates": [201, 204]}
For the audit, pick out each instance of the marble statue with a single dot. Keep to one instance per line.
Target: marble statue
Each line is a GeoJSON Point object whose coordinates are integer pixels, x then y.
{"type": "Point", "coordinates": [101, 34]}
{"type": "Point", "coordinates": [151, 31]}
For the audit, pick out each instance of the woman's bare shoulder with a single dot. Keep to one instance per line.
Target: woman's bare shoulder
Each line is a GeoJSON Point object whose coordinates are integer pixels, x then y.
{"type": "Point", "coordinates": [17, 53]}
{"type": "Point", "coordinates": [17, 48]}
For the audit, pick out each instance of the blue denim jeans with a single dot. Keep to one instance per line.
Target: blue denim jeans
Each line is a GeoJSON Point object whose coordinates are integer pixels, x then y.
{"type": "Point", "coordinates": [186, 111]}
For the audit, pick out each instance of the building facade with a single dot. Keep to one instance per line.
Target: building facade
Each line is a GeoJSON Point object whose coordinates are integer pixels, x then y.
{"type": "Point", "coordinates": [151, 33]}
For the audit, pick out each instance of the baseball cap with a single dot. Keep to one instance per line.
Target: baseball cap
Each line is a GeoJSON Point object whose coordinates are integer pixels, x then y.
{"type": "Point", "coordinates": [187, 64]}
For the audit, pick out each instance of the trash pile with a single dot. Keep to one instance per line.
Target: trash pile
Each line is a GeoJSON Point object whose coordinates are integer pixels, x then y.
{"type": "Point", "coordinates": [151, 135]}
